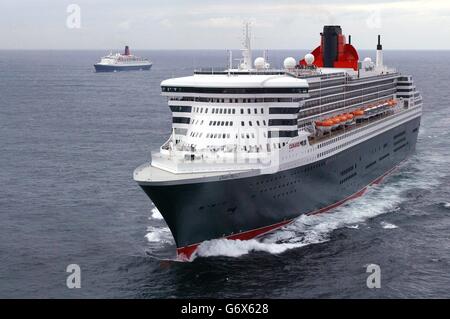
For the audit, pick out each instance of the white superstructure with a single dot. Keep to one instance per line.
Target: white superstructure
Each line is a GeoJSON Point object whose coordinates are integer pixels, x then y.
{"type": "Point", "coordinates": [263, 120]}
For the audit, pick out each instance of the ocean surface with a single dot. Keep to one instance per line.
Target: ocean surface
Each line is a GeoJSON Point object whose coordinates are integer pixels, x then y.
{"type": "Point", "coordinates": [70, 140]}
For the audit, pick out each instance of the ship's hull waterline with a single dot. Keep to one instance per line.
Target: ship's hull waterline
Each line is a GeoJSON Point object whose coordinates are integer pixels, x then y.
{"type": "Point", "coordinates": [248, 207]}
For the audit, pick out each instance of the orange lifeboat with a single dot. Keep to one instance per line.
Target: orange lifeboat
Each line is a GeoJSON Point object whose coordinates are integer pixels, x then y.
{"type": "Point", "coordinates": [335, 121]}
{"type": "Point", "coordinates": [357, 114]}
{"type": "Point", "coordinates": [349, 119]}
{"type": "Point", "coordinates": [324, 125]}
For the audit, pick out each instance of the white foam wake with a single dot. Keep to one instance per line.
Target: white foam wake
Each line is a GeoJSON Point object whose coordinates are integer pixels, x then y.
{"type": "Point", "coordinates": [387, 225]}
{"type": "Point", "coordinates": [236, 248]}
{"type": "Point", "coordinates": [156, 214]}
{"type": "Point", "coordinates": [159, 235]}
{"type": "Point", "coordinates": [314, 229]}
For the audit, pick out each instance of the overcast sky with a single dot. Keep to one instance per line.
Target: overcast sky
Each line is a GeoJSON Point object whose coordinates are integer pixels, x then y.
{"type": "Point", "coordinates": [206, 24]}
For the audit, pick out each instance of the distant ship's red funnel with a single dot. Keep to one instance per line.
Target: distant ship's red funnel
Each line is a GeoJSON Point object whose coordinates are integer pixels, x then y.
{"type": "Point", "coordinates": [333, 51]}
{"type": "Point", "coordinates": [127, 50]}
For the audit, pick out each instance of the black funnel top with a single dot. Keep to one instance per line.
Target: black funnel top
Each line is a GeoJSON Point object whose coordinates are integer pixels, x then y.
{"type": "Point", "coordinates": [330, 44]}
{"type": "Point", "coordinates": [379, 46]}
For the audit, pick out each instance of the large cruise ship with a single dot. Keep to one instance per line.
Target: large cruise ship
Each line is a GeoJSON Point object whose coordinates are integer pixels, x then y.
{"type": "Point", "coordinates": [122, 62]}
{"type": "Point", "coordinates": [252, 148]}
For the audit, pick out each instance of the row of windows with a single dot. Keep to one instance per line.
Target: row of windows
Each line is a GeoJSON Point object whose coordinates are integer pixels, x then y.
{"type": "Point", "coordinates": [327, 83]}
{"type": "Point", "coordinates": [180, 108]}
{"type": "Point", "coordinates": [233, 100]}
{"type": "Point", "coordinates": [347, 178]}
{"type": "Point", "coordinates": [282, 122]}
{"type": "Point", "coordinates": [258, 90]}
{"type": "Point", "coordinates": [314, 166]}
{"type": "Point", "coordinates": [399, 134]}
{"type": "Point", "coordinates": [283, 110]}
{"type": "Point", "coordinates": [383, 157]}
{"type": "Point", "coordinates": [196, 134]}
{"type": "Point", "coordinates": [250, 123]}
{"type": "Point", "coordinates": [362, 86]}
{"type": "Point", "coordinates": [324, 92]}
{"type": "Point", "coordinates": [279, 186]}
{"type": "Point", "coordinates": [225, 135]}
{"type": "Point", "coordinates": [218, 135]}
{"type": "Point", "coordinates": [371, 164]}
{"type": "Point", "coordinates": [349, 102]}
{"type": "Point", "coordinates": [405, 90]}
{"type": "Point", "coordinates": [273, 134]}
{"type": "Point", "coordinates": [348, 170]}
{"type": "Point", "coordinates": [346, 95]}
{"type": "Point", "coordinates": [399, 140]}
{"type": "Point", "coordinates": [284, 194]}
{"type": "Point", "coordinates": [181, 120]}
{"type": "Point", "coordinates": [233, 111]}
{"type": "Point", "coordinates": [400, 147]}
{"type": "Point", "coordinates": [220, 123]}
{"type": "Point", "coordinates": [369, 85]}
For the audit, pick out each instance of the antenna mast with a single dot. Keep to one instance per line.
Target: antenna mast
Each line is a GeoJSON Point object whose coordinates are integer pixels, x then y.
{"type": "Point", "coordinates": [247, 50]}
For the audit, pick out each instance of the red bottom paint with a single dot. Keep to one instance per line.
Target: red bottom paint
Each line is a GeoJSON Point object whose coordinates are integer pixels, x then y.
{"type": "Point", "coordinates": [186, 253]}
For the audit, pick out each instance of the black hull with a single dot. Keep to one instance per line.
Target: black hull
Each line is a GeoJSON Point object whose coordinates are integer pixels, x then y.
{"type": "Point", "coordinates": [204, 211]}
{"type": "Point", "coordinates": [115, 68]}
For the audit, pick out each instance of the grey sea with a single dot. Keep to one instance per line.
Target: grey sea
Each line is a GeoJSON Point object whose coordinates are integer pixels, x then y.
{"type": "Point", "coordinates": [70, 140]}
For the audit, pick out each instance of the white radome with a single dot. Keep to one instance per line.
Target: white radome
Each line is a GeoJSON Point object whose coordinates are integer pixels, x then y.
{"type": "Point", "coordinates": [309, 59]}
{"type": "Point", "coordinates": [289, 63]}
{"type": "Point", "coordinates": [260, 63]}
{"type": "Point", "coordinates": [367, 59]}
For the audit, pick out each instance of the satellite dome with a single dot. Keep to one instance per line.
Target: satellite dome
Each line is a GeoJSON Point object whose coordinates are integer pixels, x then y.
{"type": "Point", "coordinates": [309, 59]}
{"type": "Point", "coordinates": [289, 63]}
{"type": "Point", "coordinates": [260, 63]}
{"type": "Point", "coordinates": [367, 59]}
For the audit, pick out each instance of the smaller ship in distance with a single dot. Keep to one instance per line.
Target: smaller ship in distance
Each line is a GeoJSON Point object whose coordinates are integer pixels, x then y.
{"type": "Point", "coordinates": [122, 62]}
